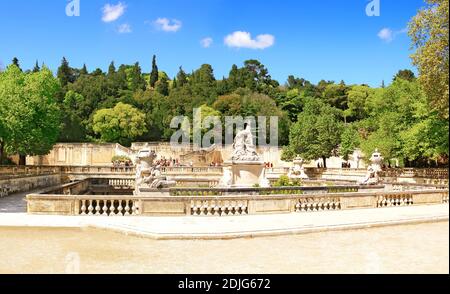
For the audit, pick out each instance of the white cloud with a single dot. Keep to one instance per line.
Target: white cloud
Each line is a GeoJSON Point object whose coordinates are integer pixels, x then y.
{"type": "Point", "coordinates": [113, 12]}
{"type": "Point", "coordinates": [124, 29]}
{"type": "Point", "coordinates": [241, 39]}
{"type": "Point", "coordinates": [388, 35]}
{"type": "Point", "coordinates": [206, 42]}
{"type": "Point", "coordinates": [168, 25]}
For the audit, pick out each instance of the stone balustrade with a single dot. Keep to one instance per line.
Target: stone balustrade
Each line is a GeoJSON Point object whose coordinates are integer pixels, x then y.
{"type": "Point", "coordinates": [317, 204]}
{"type": "Point", "coordinates": [395, 200]}
{"type": "Point", "coordinates": [268, 191]}
{"type": "Point", "coordinates": [163, 205]}
{"type": "Point", "coordinates": [218, 207]}
{"type": "Point", "coordinates": [107, 206]}
{"type": "Point", "coordinates": [14, 171]}
{"type": "Point", "coordinates": [182, 170]}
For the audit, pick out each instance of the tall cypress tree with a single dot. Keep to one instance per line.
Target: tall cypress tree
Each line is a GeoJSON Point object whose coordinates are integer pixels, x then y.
{"type": "Point", "coordinates": [84, 70]}
{"type": "Point", "coordinates": [154, 75]}
{"type": "Point", "coordinates": [36, 67]}
{"type": "Point", "coordinates": [15, 61]}
{"type": "Point", "coordinates": [65, 73]}
{"type": "Point", "coordinates": [136, 79]}
{"type": "Point", "coordinates": [181, 77]}
{"type": "Point", "coordinates": [111, 69]}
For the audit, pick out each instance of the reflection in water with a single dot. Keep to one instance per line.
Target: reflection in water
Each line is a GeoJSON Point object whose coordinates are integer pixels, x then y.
{"type": "Point", "coordinates": [420, 248]}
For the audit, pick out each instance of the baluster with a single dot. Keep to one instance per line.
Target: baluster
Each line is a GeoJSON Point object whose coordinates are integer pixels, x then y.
{"type": "Point", "coordinates": [209, 209]}
{"type": "Point", "coordinates": [83, 207]}
{"type": "Point", "coordinates": [105, 208]}
{"type": "Point", "coordinates": [97, 207]}
{"type": "Point", "coordinates": [244, 209]}
{"type": "Point", "coordinates": [127, 208]}
{"type": "Point", "coordinates": [133, 208]}
{"type": "Point", "coordinates": [120, 208]}
{"type": "Point", "coordinates": [112, 209]}
{"type": "Point", "coordinates": [90, 208]}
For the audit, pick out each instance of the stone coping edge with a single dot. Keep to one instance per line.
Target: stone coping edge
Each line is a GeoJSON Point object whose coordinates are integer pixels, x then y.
{"type": "Point", "coordinates": [135, 232]}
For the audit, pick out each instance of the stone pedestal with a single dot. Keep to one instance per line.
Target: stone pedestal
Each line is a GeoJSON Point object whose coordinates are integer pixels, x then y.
{"type": "Point", "coordinates": [247, 174]}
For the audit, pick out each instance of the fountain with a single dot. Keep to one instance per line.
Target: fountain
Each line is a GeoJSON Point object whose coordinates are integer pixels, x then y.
{"type": "Point", "coordinates": [245, 169]}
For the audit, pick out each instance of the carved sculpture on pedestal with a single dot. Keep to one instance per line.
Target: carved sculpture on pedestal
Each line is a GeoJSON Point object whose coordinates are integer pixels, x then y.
{"type": "Point", "coordinates": [245, 169]}
{"type": "Point", "coordinates": [297, 171]}
{"type": "Point", "coordinates": [372, 177]}
{"type": "Point", "coordinates": [148, 175]}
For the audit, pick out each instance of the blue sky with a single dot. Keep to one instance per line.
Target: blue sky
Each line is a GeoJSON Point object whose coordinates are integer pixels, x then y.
{"type": "Point", "coordinates": [313, 39]}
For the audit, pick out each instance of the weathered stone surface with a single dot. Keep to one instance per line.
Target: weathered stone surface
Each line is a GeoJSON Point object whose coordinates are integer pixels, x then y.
{"type": "Point", "coordinates": [358, 202]}
{"type": "Point", "coordinates": [163, 208]}
{"type": "Point", "coordinates": [269, 206]}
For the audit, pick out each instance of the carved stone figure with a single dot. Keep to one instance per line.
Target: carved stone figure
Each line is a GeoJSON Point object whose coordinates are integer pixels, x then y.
{"type": "Point", "coordinates": [297, 171]}
{"type": "Point", "coordinates": [243, 147]}
{"type": "Point", "coordinates": [372, 177]}
{"type": "Point", "coordinates": [148, 175]}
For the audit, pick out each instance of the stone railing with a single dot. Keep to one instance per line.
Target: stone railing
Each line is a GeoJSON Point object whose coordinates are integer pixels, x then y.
{"type": "Point", "coordinates": [106, 206]}
{"type": "Point", "coordinates": [268, 191]}
{"type": "Point", "coordinates": [90, 170]}
{"type": "Point", "coordinates": [14, 171]}
{"type": "Point", "coordinates": [389, 200]}
{"type": "Point", "coordinates": [431, 173]}
{"type": "Point", "coordinates": [192, 170]}
{"type": "Point", "coordinates": [123, 205]}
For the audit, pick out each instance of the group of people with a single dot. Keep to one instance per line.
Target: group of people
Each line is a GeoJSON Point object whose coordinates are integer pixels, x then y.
{"type": "Point", "coordinates": [164, 162]}
{"type": "Point", "coordinates": [268, 165]}
{"type": "Point", "coordinates": [346, 165]}
{"type": "Point", "coordinates": [125, 164]}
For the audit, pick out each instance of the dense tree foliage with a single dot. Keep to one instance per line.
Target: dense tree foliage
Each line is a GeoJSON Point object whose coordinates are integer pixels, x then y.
{"type": "Point", "coordinates": [29, 114]}
{"type": "Point", "coordinates": [429, 33]}
{"type": "Point", "coordinates": [121, 124]}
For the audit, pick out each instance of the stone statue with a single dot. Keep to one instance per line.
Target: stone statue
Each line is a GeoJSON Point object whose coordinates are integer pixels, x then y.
{"type": "Point", "coordinates": [372, 177]}
{"type": "Point", "coordinates": [297, 171]}
{"type": "Point", "coordinates": [147, 174]}
{"type": "Point", "coordinates": [243, 147]}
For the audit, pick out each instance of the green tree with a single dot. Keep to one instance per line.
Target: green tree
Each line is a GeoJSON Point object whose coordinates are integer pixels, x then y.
{"type": "Point", "coordinates": [162, 86]}
{"type": "Point", "coordinates": [29, 114]}
{"type": "Point", "coordinates": [182, 78]}
{"type": "Point", "coordinates": [154, 75]}
{"type": "Point", "coordinates": [111, 69]}
{"type": "Point", "coordinates": [405, 74]}
{"type": "Point", "coordinates": [36, 67]}
{"type": "Point", "coordinates": [429, 31]}
{"type": "Point", "coordinates": [317, 132]}
{"type": "Point", "coordinates": [136, 81]}
{"type": "Point", "coordinates": [349, 141]}
{"type": "Point", "coordinates": [65, 73]}
{"type": "Point", "coordinates": [336, 95]}
{"type": "Point", "coordinates": [120, 124]}
{"type": "Point", "coordinates": [15, 62]}
{"type": "Point", "coordinates": [83, 70]}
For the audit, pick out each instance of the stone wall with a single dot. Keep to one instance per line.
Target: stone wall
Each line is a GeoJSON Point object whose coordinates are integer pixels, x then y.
{"type": "Point", "coordinates": [87, 154]}
{"type": "Point", "coordinates": [80, 154]}
{"type": "Point", "coordinates": [10, 185]}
